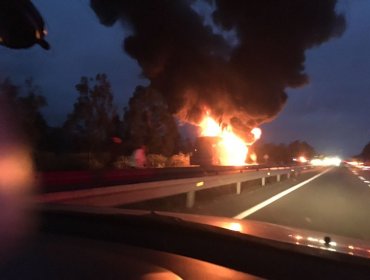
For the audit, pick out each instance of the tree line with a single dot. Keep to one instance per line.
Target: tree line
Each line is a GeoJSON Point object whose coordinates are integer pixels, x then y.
{"type": "Point", "coordinates": [282, 153]}
{"type": "Point", "coordinates": [95, 127]}
{"type": "Point", "coordinates": [365, 153]}
{"type": "Point", "coordinates": [96, 132]}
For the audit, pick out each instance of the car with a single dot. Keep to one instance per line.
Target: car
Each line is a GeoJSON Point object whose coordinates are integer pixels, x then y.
{"type": "Point", "coordinates": [74, 242]}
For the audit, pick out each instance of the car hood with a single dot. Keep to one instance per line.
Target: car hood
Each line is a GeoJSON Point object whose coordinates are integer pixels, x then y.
{"type": "Point", "coordinates": [286, 234]}
{"type": "Point", "coordinates": [269, 231]}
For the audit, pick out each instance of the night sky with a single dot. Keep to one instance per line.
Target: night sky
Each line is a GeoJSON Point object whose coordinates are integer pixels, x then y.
{"type": "Point", "coordinates": [331, 112]}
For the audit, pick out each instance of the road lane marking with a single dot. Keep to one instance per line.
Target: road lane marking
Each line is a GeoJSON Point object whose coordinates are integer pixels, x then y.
{"type": "Point", "coordinates": [361, 178]}
{"type": "Point", "coordinates": [263, 204]}
{"type": "Point", "coordinates": [367, 182]}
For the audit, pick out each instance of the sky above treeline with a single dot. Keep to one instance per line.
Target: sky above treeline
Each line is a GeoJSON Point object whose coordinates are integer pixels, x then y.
{"type": "Point", "coordinates": [331, 112]}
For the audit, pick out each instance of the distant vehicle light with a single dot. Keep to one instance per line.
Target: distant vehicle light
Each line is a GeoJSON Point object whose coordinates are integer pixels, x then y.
{"type": "Point", "coordinates": [302, 159]}
{"type": "Point", "coordinates": [326, 161]}
{"type": "Point", "coordinates": [316, 162]}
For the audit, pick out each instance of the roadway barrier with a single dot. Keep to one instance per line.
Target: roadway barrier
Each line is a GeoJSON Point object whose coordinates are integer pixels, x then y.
{"type": "Point", "coordinates": [125, 194]}
{"type": "Point", "coordinates": [70, 180]}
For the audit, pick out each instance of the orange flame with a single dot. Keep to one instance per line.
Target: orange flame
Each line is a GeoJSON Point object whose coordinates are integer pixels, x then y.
{"type": "Point", "coordinates": [210, 127]}
{"type": "Point", "coordinates": [256, 133]}
{"type": "Point", "coordinates": [232, 150]}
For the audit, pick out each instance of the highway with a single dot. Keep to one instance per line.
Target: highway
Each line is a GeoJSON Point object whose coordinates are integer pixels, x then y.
{"type": "Point", "coordinates": [337, 202]}
{"type": "Point", "coordinates": [333, 200]}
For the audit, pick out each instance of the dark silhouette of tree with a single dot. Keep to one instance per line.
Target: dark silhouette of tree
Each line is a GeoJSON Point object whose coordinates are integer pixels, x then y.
{"type": "Point", "coordinates": [26, 103]}
{"type": "Point", "coordinates": [90, 124]}
{"type": "Point", "coordinates": [148, 122]}
{"type": "Point", "coordinates": [365, 154]}
{"type": "Point", "coordinates": [301, 148]}
{"type": "Point", "coordinates": [282, 153]}
{"type": "Point", "coordinates": [271, 153]}
{"type": "Point", "coordinates": [55, 141]}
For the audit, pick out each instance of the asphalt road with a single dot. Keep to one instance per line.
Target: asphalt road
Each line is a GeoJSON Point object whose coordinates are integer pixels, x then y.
{"type": "Point", "coordinates": [337, 202]}
{"type": "Point", "coordinates": [333, 200]}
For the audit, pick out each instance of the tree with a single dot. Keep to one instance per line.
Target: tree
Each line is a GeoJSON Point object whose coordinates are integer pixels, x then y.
{"type": "Point", "coordinates": [276, 153]}
{"type": "Point", "coordinates": [282, 153]}
{"type": "Point", "coordinates": [90, 124]}
{"type": "Point", "coordinates": [301, 148]}
{"type": "Point", "coordinates": [365, 154]}
{"type": "Point", "coordinates": [148, 122]}
{"type": "Point", "coordinates": [26, 103]}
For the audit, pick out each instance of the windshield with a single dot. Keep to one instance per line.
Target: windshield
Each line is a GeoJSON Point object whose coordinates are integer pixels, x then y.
{"type": "Point", "coordinates": [251, 110]}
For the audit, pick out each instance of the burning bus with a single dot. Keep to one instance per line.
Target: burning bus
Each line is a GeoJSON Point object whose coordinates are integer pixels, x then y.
{"type": "Point", "coordinates": [205, 151]}
{"type": "Point", "coordinates": [219, 145]}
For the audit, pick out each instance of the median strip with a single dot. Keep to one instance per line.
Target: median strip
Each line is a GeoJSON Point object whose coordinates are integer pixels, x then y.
{"type": "Point", "coordinates": [263, 204]}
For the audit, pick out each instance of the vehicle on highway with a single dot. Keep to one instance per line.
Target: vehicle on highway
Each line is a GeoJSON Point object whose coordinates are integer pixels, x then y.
{"type": "Point", "coordinates": [205, 151]}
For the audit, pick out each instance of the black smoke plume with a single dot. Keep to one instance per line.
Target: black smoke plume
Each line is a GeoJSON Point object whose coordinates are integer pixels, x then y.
{"type": "Point", "coordinates": [197, 70]}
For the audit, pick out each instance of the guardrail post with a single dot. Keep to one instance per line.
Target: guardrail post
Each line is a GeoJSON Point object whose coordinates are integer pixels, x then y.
{"type": "Point", "coordinates": [238, 188]}
{"type": "Point", "coordinates": [190, 199]}
{"type": "Point", "coordinates": [263, 181]}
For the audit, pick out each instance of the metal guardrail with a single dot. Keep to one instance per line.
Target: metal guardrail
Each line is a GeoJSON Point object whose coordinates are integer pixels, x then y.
{"type": "Point", "coordinates": [86, 179]}
{"type": "Point", "coordinates": [125, 194]}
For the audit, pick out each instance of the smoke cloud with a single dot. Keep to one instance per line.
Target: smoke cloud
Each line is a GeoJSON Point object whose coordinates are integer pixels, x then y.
{"type": "Point", "coordinates": [197, 70]}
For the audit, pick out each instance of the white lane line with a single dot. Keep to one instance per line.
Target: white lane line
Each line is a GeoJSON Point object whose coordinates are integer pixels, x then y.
{"type": "Point", "coordinates": [361, 178]}
{"type": "Point", "coordinates": [367, 182]}
{"type": "Point", "coordinates": [263, 204]}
